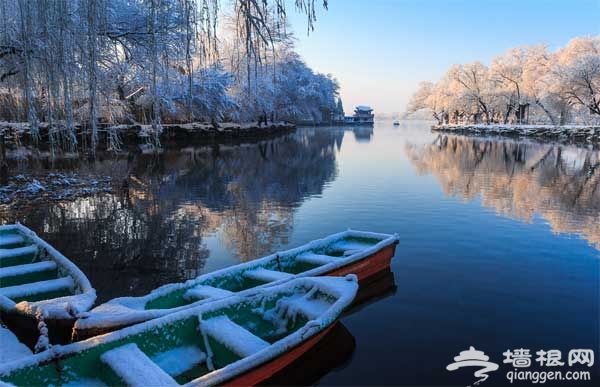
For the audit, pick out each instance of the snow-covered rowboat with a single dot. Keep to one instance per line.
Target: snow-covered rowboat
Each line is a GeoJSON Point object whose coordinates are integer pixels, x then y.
{"type": "Point", "coordinates": [240, 340]}
{"type": "Point", "coordinates": [361, 253]}
{"type": "Point", "coordinates": [37, 282]}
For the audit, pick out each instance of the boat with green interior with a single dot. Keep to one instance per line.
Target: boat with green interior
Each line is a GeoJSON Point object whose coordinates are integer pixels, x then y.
{"type": "Point", "coordinates": [358, 252]}
{"type": "Point", "coordinates": [238, 340]}
{"type": "Point", "coordinates": [39, 283]}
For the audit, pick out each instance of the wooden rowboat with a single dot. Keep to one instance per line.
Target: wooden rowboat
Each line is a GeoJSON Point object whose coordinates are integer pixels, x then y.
{"type": "Point", "coordinates": [39, 283]}
{"type": "Point", "coordinates": [238, 340]}
{"type": "Point", "coordinates": [361, 253]}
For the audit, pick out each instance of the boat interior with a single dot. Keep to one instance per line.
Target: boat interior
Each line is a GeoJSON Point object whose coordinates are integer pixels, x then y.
{"type": "Point", "coordinates": [179, 350]}
{"type": "Point", "coordinates": [282, 266]}
{"type": "Point", "coordinates": [27, 273]}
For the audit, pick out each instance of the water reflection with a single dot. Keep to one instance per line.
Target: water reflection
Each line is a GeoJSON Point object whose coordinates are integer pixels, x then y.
{"type": "Point", "coordinates": [334, 350]}
{"type": "Point", "coordinates": [156, 233]}
{"type": "Point", "coordinates": [519, 179]}
{"type": "Point", "coordinates": [363, 133]}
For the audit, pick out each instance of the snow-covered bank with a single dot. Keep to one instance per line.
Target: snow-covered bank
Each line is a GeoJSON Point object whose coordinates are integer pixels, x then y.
{"type": "Point", "coordinates": [137, 133]}
{"type": "Point", "coordinates": [579, 134]}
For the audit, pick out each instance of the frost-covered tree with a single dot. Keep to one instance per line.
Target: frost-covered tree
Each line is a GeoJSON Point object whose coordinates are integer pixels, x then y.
{"type": "Point", "coordinates": [78, 66]}
{"type": "Point", "coordinates": [475, 85]}
{"type": "Point", "coordinates": [526, 84]}
{"type": "Point", "coordinates": [578, 71]}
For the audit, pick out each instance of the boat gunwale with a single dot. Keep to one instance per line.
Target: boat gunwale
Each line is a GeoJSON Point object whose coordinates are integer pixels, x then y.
{"type": "Point", "coordinates": [138, 315]}
{"type": "Point", "coordinates": [343, 298]}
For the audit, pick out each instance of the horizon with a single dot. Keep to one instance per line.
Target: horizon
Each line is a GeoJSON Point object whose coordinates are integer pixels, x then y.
{"type": "Point", "coordinates": [387, 83]}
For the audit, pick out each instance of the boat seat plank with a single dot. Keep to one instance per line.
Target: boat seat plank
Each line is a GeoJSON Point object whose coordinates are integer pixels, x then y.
{"type": "Point", "coordinates": [32, 288]}
{"type": "Point", "coordinates": [18, 251]}
{"type": "Point", "coordinates": [12, 271]}
{"type": "Point", "coordinates": [201, 292]}
{"type": "Point", "coordinates": [178, 360]}
{"type": "Point", "coordinates": [11, 239]}
{"type": "Point", "coordinates": [266, 275]}
{"type": "Point", "coordinates": [315, 259]}
{"type": "Point", "coordinates": [135, 368]}
{"type": "Point", "coordinates": [236, 338]}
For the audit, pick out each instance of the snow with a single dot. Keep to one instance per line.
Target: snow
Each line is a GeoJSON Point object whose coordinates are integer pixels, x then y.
{"type": "Point", "coordinates": [34, 187]}
{"type": "Point", "coordinates": [315, 259]}
{"type": "Point", "coordinates": [12, 348]}
{"type": "Point", "coordinates": [11, 239]}
{"type": "Point", "coordinates": [57, 186]}
{"type": "Point", "coordinates": [18, 251]}
{"type": "Point", "coordinates": [350, 246]}
{"type": "Point", "coordinates": [62, 307]}
{"type": "Point", "coordinates": [179, 360]}
{"type": "Point", "coordinates": [129, 310]}
{"type": "Point", "coordinates": [29, 289]}
{"type": "Point", "coordinates": [66, 307]}
{"type": "Point", "coordinates": [12, 271]}
{"type": "Point", "coordinates": [231, 335]}
{"type": "Point", "coordinates": [203, 291]}
{"type": "Point", "coordinates": [266, 275]}
{"type": "Point", "coordinates": [310, 308]}
{"type": "Point", "coordinates": [135, 368]}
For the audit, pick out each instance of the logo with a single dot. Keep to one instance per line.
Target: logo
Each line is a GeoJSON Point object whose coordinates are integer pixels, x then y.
{"type": "Point", "coordinates": [473, 358]}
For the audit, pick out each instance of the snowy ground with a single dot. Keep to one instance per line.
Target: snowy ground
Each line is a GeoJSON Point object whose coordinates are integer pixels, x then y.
{"type": "Point", "coordinates": [52, 186]}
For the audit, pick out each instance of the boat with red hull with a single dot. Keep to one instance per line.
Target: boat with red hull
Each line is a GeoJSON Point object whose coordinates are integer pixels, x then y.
{"type": "Point", "coordinates": [361, 253]}
{"type": "Point", "coordinates": [239, 340]}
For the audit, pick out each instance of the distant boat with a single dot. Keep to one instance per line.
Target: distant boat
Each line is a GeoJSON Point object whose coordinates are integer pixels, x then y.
{"type": "Point", "coordinates": [362, 253]}
{"type": "Point", "coordinates": [396, 122]}
{"type": "Point", "coordinates": [241, 340]}
{"type": "Point", "coordinates": [36, 279]}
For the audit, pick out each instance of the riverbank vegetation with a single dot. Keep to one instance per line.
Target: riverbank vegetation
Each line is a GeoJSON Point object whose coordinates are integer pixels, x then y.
{"type": "Point", "coordinates": [78, 68]}
{"type": "Point", "coordinates": [525, 85]}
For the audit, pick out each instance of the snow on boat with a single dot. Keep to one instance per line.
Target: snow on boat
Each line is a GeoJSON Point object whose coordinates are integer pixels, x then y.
{"type": "Point", "coordinates": [239, 340]}
{"type": "Point", "coordinates": [361, 253]}
{"type": "Point", "coordinates": [39, 283]}
{"type": "Point", "coordinates": [12, 348]}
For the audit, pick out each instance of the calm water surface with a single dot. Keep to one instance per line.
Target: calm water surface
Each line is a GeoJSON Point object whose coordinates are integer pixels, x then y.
{"type": "Point", "coordinates": [500, 239]}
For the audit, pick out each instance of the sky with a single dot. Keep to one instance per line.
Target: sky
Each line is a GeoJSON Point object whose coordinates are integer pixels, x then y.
{"type": "Point", "coordinates": [379, 50]}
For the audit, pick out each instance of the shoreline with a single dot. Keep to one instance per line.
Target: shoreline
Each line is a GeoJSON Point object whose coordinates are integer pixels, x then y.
{"type": "Point", "coordinates": [569, 134]}
{"type": "Point", "coordinates": [172, 134]}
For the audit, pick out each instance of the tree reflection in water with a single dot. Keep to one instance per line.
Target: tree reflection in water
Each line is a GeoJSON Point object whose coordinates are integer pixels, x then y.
{"type": "Point", "coordinates": [519, 179]}
{"type": "Point", "coordinates": [128, 245]}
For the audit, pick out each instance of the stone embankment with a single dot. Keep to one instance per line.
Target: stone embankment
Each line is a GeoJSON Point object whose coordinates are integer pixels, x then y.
{"type": "Point", "coordinates": [575, 134]}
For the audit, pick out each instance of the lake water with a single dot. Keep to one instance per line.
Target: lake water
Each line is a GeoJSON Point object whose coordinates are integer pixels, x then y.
{"type": "Point", "coordinates": [499, 239]}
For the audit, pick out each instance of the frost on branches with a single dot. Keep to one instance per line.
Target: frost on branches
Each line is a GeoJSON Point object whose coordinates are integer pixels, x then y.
{"type": "Point", "coordinates": [78, 65]}
{"type": "Point", "coordinates": [525, 85]}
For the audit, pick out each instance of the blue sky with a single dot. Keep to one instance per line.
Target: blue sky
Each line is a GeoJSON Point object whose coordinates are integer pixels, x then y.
{"type": "Point", "coordinates": [380, 50]}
